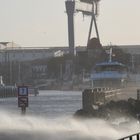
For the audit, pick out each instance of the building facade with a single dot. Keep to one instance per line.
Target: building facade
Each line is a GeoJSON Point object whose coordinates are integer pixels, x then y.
{"type": "Point", "coordinates": [11, 52]}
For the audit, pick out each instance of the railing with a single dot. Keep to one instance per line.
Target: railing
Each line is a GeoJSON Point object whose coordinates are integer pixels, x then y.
{"type": "Point", "coordinates": [132, 137]}
{"type": "Point", "coordinates": [8, 91]}
{"type": "Point", "coordinates": [98, 96]}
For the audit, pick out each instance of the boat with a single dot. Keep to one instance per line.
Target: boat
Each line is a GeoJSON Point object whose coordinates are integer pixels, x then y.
{"type": "Point", "coordinates": [33, 91]}
{"type": "Point", "coordinates": [109, 74]}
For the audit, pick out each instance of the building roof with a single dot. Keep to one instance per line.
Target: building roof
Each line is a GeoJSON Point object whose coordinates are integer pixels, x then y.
{"type": "Point", "coordinates": [113, 63]}
{"type": "Point", "coordinates": [132, 49]}
{"type": "Point", "coordinates": [4, 43]}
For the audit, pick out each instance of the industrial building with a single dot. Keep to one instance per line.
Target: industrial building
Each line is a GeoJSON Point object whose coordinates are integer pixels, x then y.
{"type": "Point", "coordinates": [11, 52]}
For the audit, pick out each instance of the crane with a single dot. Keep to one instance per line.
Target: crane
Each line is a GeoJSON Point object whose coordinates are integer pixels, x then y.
{"type": "Point", "coordinates": [93, 12]}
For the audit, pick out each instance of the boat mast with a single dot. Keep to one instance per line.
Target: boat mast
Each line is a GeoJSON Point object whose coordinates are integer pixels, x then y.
{"type": "Point", "coordinates": [110, 55]}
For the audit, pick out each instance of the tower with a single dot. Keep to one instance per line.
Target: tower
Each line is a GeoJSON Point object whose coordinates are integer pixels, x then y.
{"type": "Point", "coordinates": [70, 9]}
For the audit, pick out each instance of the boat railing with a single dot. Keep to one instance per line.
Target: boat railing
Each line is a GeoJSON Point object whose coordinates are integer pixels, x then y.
{"type": "Point", "coordinates": [131, 137]}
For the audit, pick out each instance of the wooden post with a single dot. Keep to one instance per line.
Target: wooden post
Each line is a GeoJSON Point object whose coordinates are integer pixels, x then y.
{"type": "Point", "coordinates": [138, 94]}
{"type": "Point", "coordinates": [23, 110]}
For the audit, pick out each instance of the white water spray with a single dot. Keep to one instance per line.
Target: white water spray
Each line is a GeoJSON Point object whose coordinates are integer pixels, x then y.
{"type": "Point", "coordinates": [16, 127]}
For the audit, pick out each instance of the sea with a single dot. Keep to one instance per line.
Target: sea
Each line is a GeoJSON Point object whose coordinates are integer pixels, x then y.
{"type": "Point", "coordinates": [50, 116]}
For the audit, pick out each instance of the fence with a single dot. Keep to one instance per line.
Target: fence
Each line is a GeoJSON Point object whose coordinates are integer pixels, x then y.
{"type": "Point", "coordinates": [132, 137]}
{"type": "Point", "coordinates": [98, 96]}
{"type": "Point", "coordinates": [8, 91]}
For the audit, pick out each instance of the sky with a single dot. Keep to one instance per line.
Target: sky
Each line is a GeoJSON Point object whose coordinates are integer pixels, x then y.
{"type": "Point", "coordinates": [36, 23]}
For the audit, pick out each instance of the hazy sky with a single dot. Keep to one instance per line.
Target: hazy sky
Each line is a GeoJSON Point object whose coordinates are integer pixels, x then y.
{"type": "Point", "coordinates": [44, 22]}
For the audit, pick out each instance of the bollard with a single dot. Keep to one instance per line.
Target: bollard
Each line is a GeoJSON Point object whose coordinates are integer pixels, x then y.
{"type": "Point", "coordinates": [23, 110]}
{"type": "Point", "coordinates": [138, 94]}
{"type": "Point", "coordinates": [88, 97]}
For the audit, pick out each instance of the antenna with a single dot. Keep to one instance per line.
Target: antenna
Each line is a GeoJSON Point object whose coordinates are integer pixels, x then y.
{"type": "Point", "coordinates": [110, 55]}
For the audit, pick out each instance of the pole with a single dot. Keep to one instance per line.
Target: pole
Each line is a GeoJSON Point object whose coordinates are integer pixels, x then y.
{"type": "Point", "coordinates": [132, 59]}
{"type": "Point", "coordinates": [19, 73]}
{"type": "Point", "coordinates": [23, 110]}
{"type": "Point", "coordinates": [138, 94]}
{"type": "Point", "coordinates": [110, 55]}
{"type": "Point", "coordinates": [10, 63]}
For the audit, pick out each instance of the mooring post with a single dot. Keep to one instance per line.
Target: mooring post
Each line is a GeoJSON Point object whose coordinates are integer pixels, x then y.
{"type": "Point", "coordinates": [138, 94]}
{"type": "Point", "coordinates": [104, 97]}
{"type": "Point", "coordinates": [88, 99]}
{"type": "Point", "coordinates": [23, 110]}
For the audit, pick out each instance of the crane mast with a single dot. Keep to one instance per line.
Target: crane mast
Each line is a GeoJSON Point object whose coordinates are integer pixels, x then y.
{"type": "Point", "coordinates": [93, 13]}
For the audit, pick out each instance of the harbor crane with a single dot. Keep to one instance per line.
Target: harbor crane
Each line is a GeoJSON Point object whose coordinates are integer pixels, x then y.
{"type": "Point", "coordinates": [71, 8]}
{"type": "Point", "coordinates": [93, 11]}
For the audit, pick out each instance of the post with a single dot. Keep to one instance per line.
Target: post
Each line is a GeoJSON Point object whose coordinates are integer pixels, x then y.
{"type": "Point", "coordinates": [23, 110]}
{"type": "Point", "coordinates": [92, 84]}
{"type": "Point", "coordinates": [23, 98]}
{"type": "Point", "coordinates": [104, 97]}
{"type": "Point", "coordinates": [88, 99]}
{"type": "Point", "coordinates": [138, 94]}
{"type": "Point", "coordinates": [138, 137]}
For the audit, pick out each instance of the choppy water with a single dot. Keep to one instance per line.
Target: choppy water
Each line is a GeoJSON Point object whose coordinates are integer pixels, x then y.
{"type": "Point", "coordinates": [49, 117]}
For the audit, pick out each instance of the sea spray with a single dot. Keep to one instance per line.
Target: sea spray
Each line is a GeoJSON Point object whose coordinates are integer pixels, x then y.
{"type": "Point", "coordinates": [17, 127]}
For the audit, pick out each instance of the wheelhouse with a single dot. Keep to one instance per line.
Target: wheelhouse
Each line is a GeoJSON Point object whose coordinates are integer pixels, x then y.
{"type": "Point", "coordinates": [109, 74]}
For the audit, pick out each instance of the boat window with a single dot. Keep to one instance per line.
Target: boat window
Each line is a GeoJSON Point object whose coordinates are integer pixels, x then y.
{"type": "Point", "coordinates": [110, 68]}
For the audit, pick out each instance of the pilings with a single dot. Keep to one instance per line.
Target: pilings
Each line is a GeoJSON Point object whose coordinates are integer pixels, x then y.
{"type": "Point", "coordinates": [92, 98]}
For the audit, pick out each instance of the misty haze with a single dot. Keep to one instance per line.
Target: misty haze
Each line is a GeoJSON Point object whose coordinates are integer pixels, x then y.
{"type": "Point", "coordinates": [69, 70]}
